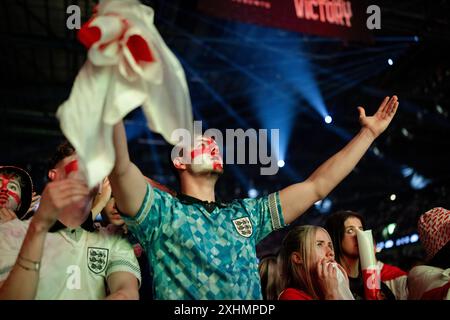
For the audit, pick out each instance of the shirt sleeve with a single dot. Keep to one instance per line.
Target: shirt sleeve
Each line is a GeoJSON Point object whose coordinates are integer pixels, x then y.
{"type": "Point", "coordinates": [155, 207]}
{"type": "Point", "coordinates": [265, 213]}
{"type": "Point", "coordinates": [123, 259]}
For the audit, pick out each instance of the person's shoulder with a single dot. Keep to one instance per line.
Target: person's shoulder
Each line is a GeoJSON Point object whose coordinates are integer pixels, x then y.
{"type": "Point", "coordinates": [424, 269]}
{"type": "Point", "coordinates": [389, 272]}
{"type": "Point", "coordinates": [15, 226]}
{"type": "Point", "coordinates": [108, 234]}
{"type": "Point", "coordinates": [294, 294]}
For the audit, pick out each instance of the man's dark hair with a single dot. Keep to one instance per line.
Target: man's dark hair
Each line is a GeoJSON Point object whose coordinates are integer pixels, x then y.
{"type": "Point", "coordinates": [335, 227]}
{"type": "Point", "coordinates": [65, 149]}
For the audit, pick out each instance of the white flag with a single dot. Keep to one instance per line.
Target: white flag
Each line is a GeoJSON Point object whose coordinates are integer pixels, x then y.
{"type": "Point", "coordinates": [128, 66]}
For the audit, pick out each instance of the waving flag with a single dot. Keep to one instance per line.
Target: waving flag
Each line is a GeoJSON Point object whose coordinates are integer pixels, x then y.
{"type": "Point", "coordinates": [128, 66]}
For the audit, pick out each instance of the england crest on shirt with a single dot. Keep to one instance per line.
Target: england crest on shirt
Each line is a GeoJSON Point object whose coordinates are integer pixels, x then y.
{"type": "Point", "coordinates": [243, 226]}
{"type": "Point", "coordinates": [97, 259]}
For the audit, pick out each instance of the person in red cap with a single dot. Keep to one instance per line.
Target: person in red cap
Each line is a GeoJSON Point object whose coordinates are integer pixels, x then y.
{"type": "Point", "coordinates": [432, 281]}
{"type": "Point", "coordinates": [16, 188]}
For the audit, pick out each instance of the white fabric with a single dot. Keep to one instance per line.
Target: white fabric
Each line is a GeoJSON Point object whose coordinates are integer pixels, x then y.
{"type": "Point", "coordinates": [344, 290]}
{"type": "Point", "coordinates": [65, 272]}
{"type": "Point", "coordinates": [398, 285]}
{"type": "Point", "coordinates": [422, 279]}
{"type": "Point", "coordinates": [111, 84]}
{"type": "Point", "coordinates": [366, 249]}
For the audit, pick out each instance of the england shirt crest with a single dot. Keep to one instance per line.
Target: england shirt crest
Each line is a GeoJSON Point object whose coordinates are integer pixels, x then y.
{"type": "Point", "coordinates": [97, 259]}
{"type": "Point", "coordinates": [243, 226]}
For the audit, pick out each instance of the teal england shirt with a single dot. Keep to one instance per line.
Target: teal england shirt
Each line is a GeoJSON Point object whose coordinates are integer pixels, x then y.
{"type": "Point", "coordinates": [195, 254]}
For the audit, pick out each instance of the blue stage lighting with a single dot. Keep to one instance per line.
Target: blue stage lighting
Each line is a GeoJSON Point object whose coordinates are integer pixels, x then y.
{"type": "Point", "coordinates": [390, 62]}
{"type": "Point", "coordinates": [414, 238]}
{"type": "Point", "coordinates": [389, 244]}
{"type": "Point", "coordinates": [324, 206]}
{"type": "Point", "coordinates": [253, 193]}
{"type": "Point", "coordinates": [281, 163]}
{"type": "Point", "coordinates": [328, 119]}
{"type": "Point", "coordinates": [419, 182]}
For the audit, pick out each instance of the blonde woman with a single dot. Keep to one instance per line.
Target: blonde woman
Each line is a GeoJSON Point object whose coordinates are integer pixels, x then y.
{"type": "Point", "coordinates": [308, 270]}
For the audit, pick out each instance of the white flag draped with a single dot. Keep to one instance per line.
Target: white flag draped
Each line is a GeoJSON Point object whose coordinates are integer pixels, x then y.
{"type": "Point", "coordinates": [128, 66]}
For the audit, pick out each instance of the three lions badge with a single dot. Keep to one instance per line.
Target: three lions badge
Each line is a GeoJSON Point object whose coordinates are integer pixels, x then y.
{"type": "Point", "coordinates": [97, 259]}
{"type": "Point", "coordinates": [243, 226]}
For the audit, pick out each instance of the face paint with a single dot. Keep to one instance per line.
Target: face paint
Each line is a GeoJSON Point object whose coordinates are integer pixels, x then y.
{"type": "Point", "coordinates": [206, 156]}
{"type": "Point", "coordinates": [72, 170]}
{"type": "Point", "coordinates": [10, 191]}
{"type": "Point", "coordinates": [71, 167]}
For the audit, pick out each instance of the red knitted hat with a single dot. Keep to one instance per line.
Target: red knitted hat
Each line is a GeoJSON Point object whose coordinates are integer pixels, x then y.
{"type": "Point", "coordinates": [434, 230]}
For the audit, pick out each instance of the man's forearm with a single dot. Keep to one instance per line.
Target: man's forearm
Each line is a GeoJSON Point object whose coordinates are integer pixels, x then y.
{"type": "Point", "coordinates": [124, 294]}
{"type": "Point", "coordinates": [334, 170]}
{"type": "Point", "coordinates": [23, 280]}
{"type": "Point", "coordinates": [127, 182]}
{"type": "Point", "coordinates": [123, 286]}
{"type": "Point", "coordinates": [121, 150]}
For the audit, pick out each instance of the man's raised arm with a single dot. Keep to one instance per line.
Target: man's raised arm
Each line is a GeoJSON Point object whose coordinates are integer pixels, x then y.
{"type": "Point", "coordinates": [299, 197]}
{"type": "Point", "coordinates": [127, 182]}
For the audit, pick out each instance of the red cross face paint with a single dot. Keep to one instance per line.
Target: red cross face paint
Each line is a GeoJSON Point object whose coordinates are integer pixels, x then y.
{"type": "Point", "coordinates": [10, 191]}
{"type": "Point", "coordinates": [205, 156]}
{"type": "Point", "coordinates": [72, 171]}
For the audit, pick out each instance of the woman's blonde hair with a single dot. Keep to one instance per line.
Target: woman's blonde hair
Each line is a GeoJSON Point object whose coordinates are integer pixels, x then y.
{"type": "Point", "coordinates": [270, 278]}
{"type": "Point", "coordinates": [300, 240]}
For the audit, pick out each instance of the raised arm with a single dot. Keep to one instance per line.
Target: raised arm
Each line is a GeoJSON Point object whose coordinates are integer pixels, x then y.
{"type": "Point", "coordinates": [299, 197]}
{"type": "Point", "coordinates": [127, 182]}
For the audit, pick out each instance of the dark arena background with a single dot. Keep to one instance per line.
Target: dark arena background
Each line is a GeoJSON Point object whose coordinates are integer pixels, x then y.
{"type": "Point", "coordinates": [257, 64]}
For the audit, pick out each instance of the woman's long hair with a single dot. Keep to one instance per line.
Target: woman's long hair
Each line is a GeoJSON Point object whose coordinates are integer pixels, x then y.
{"type": "Point", "coordinates": [300, 276]}
{"type": "Point", "coordinates": [270, 278]}
{"type": "Point", "coordinates": [335, 227]}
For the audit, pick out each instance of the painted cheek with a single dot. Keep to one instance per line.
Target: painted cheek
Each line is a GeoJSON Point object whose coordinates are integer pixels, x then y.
{"type": "Point", "coordinates": [196, 153]}
{"type": "Point", "coordinates": [71, 167]}
{"type": "Point", "coordinates": [217, 166]}
{"type": "Point", "coordinates": [9, 193]}
{"type": "Point", "coordinates": [5, 182]}
{"type": "Point", "coordinates": [200, 151]}
{"type": "Point", "coordinates": [15, 196]}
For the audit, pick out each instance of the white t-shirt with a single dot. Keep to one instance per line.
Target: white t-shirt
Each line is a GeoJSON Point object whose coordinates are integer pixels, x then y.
{"type": "Point", "coordinates": [75, 263]}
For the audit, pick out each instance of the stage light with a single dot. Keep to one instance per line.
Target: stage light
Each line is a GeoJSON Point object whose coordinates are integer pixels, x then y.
{"type": "Point", "coordinates": [414, 238]}
{"type": "Point", "coordinates": [380, 246]}
{"type": "Point", "coordinates": [419, 182]}
{"type": "Point", "coordinates": [252, 193]}
{"type": "Point", "coordinates": [393, 197]}
{"type": "Point", "coordinates": [377, 151]}
{"type": "Point", "coordinates": [391, 228]}
{"type": "Point", "coordinates": [281, 163]}
{"type": "Point", "coordinates": [328, 119]}
{"type": "Point", "coordinates": [405, 132]}
{"type": "Point", "coordinates": [390, 62]}
{"type": "Point", "coordinates": [416, 38]}
{"type": "Point", "coordinates": [407, 171]}
{"type": "Point", "coordinates": [389, 244]}
{"type": "Point", "coordinates": [323, 206]}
